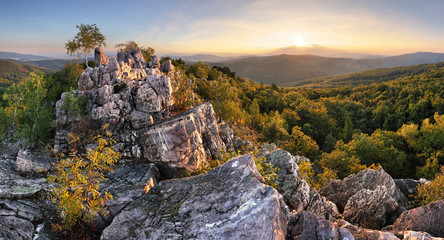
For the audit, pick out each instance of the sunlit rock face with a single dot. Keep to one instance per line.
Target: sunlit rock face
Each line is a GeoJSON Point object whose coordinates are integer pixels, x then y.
{"type": "Point", "coordinates": [135, 98]}
{"type": "Point", "coordinates": [229, 202]}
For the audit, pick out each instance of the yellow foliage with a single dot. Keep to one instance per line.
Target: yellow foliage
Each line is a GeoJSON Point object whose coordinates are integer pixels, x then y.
{"type": "Point", "coordinates": [77, 179]}
{"type": "Point", "coordinates": [432, 191]}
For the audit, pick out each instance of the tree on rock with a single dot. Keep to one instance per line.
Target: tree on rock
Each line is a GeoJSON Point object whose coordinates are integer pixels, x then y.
{"type": "Point", "coordinates": [85, 41]}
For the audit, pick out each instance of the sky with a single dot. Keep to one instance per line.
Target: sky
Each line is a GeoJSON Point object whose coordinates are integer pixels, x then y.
{"type": "Point", "coordinates": [224, 27]}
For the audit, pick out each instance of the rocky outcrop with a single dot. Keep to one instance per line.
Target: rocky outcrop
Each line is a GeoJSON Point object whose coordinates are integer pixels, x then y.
{"type": "Point", "coordinates": [182, 143]}
{"type": "Point", "coordinates": [370, 208]}
{"type": "Point", "coordinates": [100, 57]}
{"type": "Point", "coordinates": [229, 202]}
{"type": "Point", "coordinates": [136, 102]}
{"type": "Point", "coordinates": [307, 226]}
{"type": "Point", "coordinates": [428, 218]}
{"type": "Point", "coordinates": [296, 192]}
{"type": "Point", "coordinates": [339, 191]}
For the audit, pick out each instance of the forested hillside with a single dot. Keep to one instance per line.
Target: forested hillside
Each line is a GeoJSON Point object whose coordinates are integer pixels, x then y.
{"type": "Point", "coordinates": [367, 77]}
{"type": "Point", "coordinates": [14, 72]}
{"type": "Point", "coordinates": [398, 125]}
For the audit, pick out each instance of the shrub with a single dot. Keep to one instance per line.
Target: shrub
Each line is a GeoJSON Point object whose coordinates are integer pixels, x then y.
{"type": "Point", "coordinates": [432, 191]}
{"type": "Point", "coordinates": [77, 179]}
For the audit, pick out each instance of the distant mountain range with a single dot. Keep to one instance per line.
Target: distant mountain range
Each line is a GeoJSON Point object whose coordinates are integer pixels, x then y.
{"type": "Point", "coordinates": [22, 57]}
{"type": "Point", "coordinates": [295, 70]}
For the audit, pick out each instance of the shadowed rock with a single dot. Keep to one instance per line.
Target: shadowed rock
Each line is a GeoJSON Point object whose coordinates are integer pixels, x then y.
{"type": "Point", "coordinates": [229, 202]}
{"type": "Point", "coordinates": [307, 226]}
{"type": "Point", "coordinates": [428, 218]}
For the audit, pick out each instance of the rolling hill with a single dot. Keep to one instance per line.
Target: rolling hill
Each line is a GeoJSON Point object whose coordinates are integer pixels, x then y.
{"type": "Point", "coordinates": [13, 72]}
{"type": "Point", "coordinates": [295, 70]}
{"type": "Point", "coordinates": [368, 77]}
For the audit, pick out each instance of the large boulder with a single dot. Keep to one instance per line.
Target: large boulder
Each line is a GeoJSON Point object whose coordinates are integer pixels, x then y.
{"type": "Point", "coordinates": [182, 143]}
{"type": "Point", "coordinates": [32, 162]}
{"type": "Point", "coordinates": [297, 193]}
{"type": "Point", "coordinates": [229, 202]}
{"type": "Point", "coordinates": [339, 191]}
{"type": "Point", "coordinates": [428, 218]}
{"type": "Point", "coordinates": [126, 184]}
{"type": "Point", "coordinates": [370, 208]}
{"type": "Point", "coordinates": [307, 226]}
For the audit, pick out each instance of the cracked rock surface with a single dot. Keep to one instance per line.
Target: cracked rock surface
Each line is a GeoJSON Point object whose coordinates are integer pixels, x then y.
{"type": "Point", "coordinates": [229, 202]}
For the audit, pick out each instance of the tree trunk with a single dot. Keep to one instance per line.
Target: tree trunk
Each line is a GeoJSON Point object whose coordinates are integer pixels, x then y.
{"type": "Point", "coordinates": [86, 60]}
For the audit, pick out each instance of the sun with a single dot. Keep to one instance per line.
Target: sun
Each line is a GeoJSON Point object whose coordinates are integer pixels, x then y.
{"type": "Point", "coordinates": [299, 41]}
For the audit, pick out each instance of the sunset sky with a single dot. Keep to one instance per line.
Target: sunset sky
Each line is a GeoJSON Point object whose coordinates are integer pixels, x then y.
{"type": "Point", "coordinates": [229, 26]}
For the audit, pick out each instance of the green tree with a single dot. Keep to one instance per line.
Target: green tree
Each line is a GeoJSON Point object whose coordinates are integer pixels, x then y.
{"type": "Point", "coordinates": [347, 132]}
{"type": "Point", "coordinates": [85, 41]}
{"type": "Point", "coordinates": [147, 52]}
{"type": "Point", "coordinates": [301, 144]}
{"type": "Point", "coordinates": [432, 191]}
{"type": "Point", "coordinates": [29, 113]}
{"type": "Point", "coordinates": [77, 179]}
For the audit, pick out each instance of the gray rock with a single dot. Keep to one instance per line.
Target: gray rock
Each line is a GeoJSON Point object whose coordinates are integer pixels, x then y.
{"type": "Point", "coordinates": [339, 191]}
{"type": "Point", "coordinates": [22, 208]}
{"type": "Point", "coordinates": [154, 62]}
{"type": "Point", "coordinates": [365, 234]}
{"type": "Point", "coordinates": [100, 57]}
{"type": "Point", "coordinates": [167, 66]}
{"type": "Point", "coordinates": [370, 208]}
{"type": "Point", "coordinates": [15, 228]}
{"type": "Point", "coordinates": [408, 187]}
{"type": "Point", "coordinates": [125, 185]}
{"type": "Point", "coordinates": [147, 100]}
{"type": "Point", "coordinates": [32, 162]}
{"type": "Point", "coordinates": [227, 135]}
{"type": "Point", "coordinates": [13, 185]}
{"type": "Point", "coordinates": [140, 119]}
{"type": "Point", "coordinates": [229, 202]}
{"type": "Point", "coordinates": [182, 143]}
{"type": "Point", "coordinates": [307, 226]}
{"type": "Point", "coordinates": [428, 218]}
{"type": "Point", "coordinates": [298, 195]}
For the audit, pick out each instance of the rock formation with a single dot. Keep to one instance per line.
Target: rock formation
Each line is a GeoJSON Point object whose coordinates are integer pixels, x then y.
{"type": "Point", "coordinates": [340, 192]}
{"type": "Point", "coordinates": [229, 202]}
{"type": "Point", "coordinates": [370, 208]}
{"type": "Point", "coordinates": [136, 101]}
{"type": "Point", "coordinates": [296, 192]}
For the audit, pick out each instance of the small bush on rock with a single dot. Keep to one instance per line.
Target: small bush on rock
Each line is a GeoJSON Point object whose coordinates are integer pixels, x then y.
{"type": "Point", "coordinates": [77, 179]}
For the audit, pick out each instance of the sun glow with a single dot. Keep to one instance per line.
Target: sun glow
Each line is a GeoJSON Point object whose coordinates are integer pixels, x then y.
{"type": "Point", "coordinates": [299, 41]}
